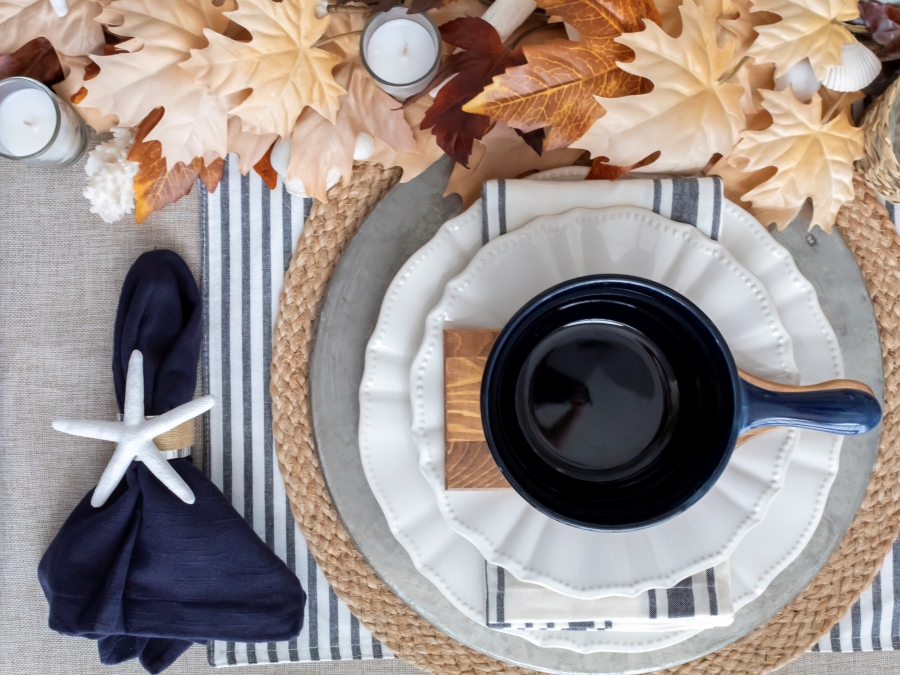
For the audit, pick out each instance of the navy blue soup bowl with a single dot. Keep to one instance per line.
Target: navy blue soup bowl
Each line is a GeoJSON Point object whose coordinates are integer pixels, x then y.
{"type": "Point", "coordinates": [613, 403]}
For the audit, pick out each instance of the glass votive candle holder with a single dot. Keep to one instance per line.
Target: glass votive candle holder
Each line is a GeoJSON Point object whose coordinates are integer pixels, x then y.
{"type": "Point", "coordinates": [36, 126]}
{"type": "Point", "coordinates": [401, 51]}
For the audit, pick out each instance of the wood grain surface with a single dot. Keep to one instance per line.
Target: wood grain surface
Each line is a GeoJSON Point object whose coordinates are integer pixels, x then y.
{"type": "Point", "coordinates": [468, 463]}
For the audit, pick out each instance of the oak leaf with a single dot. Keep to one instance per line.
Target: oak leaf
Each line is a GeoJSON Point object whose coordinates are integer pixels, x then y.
{"type": "Point", "coordinates": [502, 154]}
{"type": "Point", "coordinates": [36, 59]}
{"type": "Point", "coordinates": [558, 85]}
{"type": "Point", "coordinates": [601, 169]}
{"type": "Point", "coordinates": [77, 33]}
{"type": "Point", "coordinates": [813, 158]}
{"type": "Point", "coordinates": [689, 116]}
{"type": "Point", "coordinates": [279, 64]}
{"type": "Point", "coordinates": [156, 185]}
{"type": "Point", "coordinates": [132, 84]}
{"type": "Point", "coordinates": [265, 170]}
{"type": "Point", "coordinates": [482, 55]}
{"type": "Point", "coordinates": [883, 23]}
{"type": "Point", "coordinates": [810, 29]}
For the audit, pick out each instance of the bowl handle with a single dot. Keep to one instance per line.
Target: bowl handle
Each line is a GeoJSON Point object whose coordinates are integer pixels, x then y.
{"type": "Point", "coordinates": [843, 407]}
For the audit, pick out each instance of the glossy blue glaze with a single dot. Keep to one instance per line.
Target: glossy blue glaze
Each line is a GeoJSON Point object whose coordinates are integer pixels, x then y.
{"type": "Point", "coordinates": [836, 411]}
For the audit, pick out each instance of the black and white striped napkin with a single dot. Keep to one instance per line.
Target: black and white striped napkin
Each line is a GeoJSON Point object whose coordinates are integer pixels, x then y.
{"type": "Point", "coordinates": [248, 234]}
{"type": "Point", "coordinates": [507, 205]}
{"type": "Point", "coordinates": [700, 601]}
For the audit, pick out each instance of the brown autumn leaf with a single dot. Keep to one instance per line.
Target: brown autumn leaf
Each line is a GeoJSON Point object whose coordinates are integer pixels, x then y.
{"type": "Point", "coordinates": [601, 169]}
{"type": "Point", "coordinates": [482, 55]}
{"type": "Point", "coordinates": [36, 59]}
{"type": "Point", "coordinates": [502, 154]}
{"type": "Point", "coordinates": [883, 23]}
{"type": "Point", "coordinates": [813, 155]}
{"type": "Point", "coordinates": [690, 115]}
{"type": "Point", "coordinates": [417, 6]}
{"type": "Point", "coordinates": [265, 171]}
{"type": "Point", "coordinates": [427, 150]}
{"type": "Point", "coordinates": [154, 186]}
{"type": "Point", "coordinates": [558, 85]}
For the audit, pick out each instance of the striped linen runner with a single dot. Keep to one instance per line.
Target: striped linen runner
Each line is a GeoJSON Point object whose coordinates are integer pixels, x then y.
{"type": "Point", "coordinates": [248, 234]}
{"type": "Point", "coordinates": [873, 621]}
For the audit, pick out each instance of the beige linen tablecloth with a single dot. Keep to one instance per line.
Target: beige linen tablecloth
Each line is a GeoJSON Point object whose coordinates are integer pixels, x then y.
{"type": "Point", "coordinates": [61, 269]}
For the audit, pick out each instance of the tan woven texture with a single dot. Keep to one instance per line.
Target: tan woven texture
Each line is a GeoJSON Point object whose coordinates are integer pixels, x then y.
{"type": "Point", "coordinates": [879, 165]}
{"type": "Point", "coordinates": [870, 235]}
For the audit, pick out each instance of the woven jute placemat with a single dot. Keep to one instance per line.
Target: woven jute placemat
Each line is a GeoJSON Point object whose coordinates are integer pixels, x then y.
{"type": "Point", "coordinates": [871, 237]}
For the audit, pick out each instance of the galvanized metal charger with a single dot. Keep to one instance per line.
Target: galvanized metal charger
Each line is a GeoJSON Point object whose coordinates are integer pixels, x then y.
{"type": "Point", "coordinates": [368, 568]}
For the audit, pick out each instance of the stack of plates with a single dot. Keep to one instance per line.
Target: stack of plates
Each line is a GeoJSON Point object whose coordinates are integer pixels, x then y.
{"type": "Point", "coordinates": [759, 515]}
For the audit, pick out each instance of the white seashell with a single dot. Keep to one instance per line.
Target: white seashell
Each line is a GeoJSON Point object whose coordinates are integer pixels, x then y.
{"type": "Point", "coordinates": [802, 78]}
{"type": "Point", "coordinates": [365, 147]}
{"type": "Point", "coordinates": [281, 160]}
{"type": "Point", "coordinates": [858, 68]}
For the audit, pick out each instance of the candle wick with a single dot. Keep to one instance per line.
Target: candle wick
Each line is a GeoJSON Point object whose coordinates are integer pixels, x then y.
{"type": "Point", "coordinates": [405, 49]}
{"type": "Point", "coordinates": [27, 123]}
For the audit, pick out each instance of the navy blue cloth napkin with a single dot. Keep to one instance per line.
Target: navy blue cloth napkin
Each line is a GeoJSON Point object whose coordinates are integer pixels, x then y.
{"type": "Point", "coordinates": [147, 575]}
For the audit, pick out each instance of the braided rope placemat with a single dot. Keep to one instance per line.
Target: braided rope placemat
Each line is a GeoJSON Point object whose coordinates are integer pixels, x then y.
{"type": "Point", "coordinates": [871, 237]}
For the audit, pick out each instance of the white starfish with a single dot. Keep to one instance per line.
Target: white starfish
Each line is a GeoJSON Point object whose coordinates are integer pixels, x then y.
{"type": "Point", "coordinates": [134, 436]}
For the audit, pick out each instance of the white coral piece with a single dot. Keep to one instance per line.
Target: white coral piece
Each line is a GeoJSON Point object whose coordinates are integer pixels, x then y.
{"type": "Point", "coordinates": [110, 183]}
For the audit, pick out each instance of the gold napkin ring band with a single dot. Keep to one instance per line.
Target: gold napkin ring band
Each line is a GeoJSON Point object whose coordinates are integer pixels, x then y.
{"type": "Point", "coordinates": [175, 443]}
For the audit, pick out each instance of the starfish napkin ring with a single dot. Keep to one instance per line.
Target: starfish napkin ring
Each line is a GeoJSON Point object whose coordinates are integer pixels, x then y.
{"type": "Point", "coordinates": [134, 436]}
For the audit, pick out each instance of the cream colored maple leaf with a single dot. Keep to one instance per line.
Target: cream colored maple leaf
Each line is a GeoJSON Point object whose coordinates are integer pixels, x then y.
{"type": "Point", "coordinates": [813, 159]}
{"type": "Point", "coordinates": [249, 148]}
{"type": "Point", "coordinates": [427, 150]}
{"type": "Point", "coordinates": [689, 116]}
{"type": "Point", "coordinates": [669, 12]}
{"type": "Point", "coordinates": [810, 29]}
{"type": "Point", "coordinates": [73, 67]}
{"type": "Point", "coordinates": [76, 34]}
{"type": "Point", "coordinates": [318, 145]}
{"type": "Point", "coordinates": [285, 73]}
{"type": "Point", "coordinates": [131, 85]}
{"type": "Point", "coordinates": [502, 154]}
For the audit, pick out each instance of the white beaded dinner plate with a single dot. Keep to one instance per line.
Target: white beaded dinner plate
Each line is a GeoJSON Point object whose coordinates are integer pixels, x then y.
{"type": "Point", "coordinates": [390, 457]}
{"type": "Point", "coordinates": [503, 277]}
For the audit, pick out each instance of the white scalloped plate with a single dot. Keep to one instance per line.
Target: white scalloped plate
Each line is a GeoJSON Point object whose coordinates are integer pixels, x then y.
{"type": "Point", "coordinates": [502, 277]}
{"type": "Point", "coordinates": [390, 457]}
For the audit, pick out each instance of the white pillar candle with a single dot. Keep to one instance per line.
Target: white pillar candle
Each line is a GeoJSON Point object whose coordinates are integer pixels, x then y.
{"type": "Point", "coordinates": [36, 126]}
{"type": "Point", "coordinates": [401, 51]}
{"type": "Point", "coordinates": [27, 122]}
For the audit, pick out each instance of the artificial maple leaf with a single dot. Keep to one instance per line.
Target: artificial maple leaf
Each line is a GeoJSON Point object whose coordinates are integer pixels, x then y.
{"type": "Point", "coordinates": [77, 33]}
{"type": "Point", "coordinates": [132, 84]}
{"type": "Point", "coordinates": [558, 85]}
{"type": "Point", "coordinates": [742, 28]}
{"type": "Point", "coordinates": [813, 158]}
{"type": "Point", "coordinates": [79, 70]}
{"type": "Point", "coordinates": [883, 23]}
{"type": "Point", "coordinates": [737, 180]}
{"type": "Point", "coordinates": [755, 78]}
{"type": "Point", "coordinates": [250, 148]}
{"type": "Point", "coordinates": [417, 6]}
{"type": "Point", "coordinates": [286, 74]}
{"type": "Point", "coordinates": [427, 150]}
{"type": "Point", "coordinates": [810, 29]}
{"type": "Point", "coordinates": [156, 185]}
{"type": "Point", "coordinates": [36, 59]}
{"type": "Point", "coordinates": [481, 57]}
{"type": "Point", "coordinates": [266, 171]}
{"type": "Point", "coordinates": [502, 154]}
{"type": "Point", "coordinates": [689, 116]}
{"type": "Point", "coordinates": [318, 145]}
{"type": "Point", "coordinates": [602, 170]}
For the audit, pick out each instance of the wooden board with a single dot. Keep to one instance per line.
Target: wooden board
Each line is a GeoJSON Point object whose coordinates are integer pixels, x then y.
{"type": "Point", "coordinates": [468, 463]}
